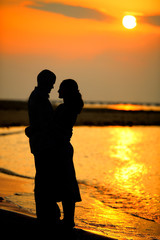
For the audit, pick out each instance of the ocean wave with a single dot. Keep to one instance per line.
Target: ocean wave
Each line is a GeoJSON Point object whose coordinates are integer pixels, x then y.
{"type": "Point", "coordinates": [10, 133]}
{"type": "Point", "coordinates": [11, 173]}
{"type": "Point", "coordinates": [147, 219]}
{"type": "Point", "coordinates": [119, 201]}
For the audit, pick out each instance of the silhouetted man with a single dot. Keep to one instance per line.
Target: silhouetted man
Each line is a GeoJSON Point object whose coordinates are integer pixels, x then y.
{"type": "Point", "coordinates": [41, 117]}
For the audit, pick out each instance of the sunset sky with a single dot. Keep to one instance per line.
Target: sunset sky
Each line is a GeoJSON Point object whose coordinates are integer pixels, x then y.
{"type": "Point", "coordinates": [84, 40]}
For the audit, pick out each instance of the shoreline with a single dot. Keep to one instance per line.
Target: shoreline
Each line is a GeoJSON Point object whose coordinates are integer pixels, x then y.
{"type": "Point", "coordinates": [20, 224]}
{"type": "Point", "coordinates": [11, 185]}
{"type": "Point", "coordinates": [96, 212]}
{"type": "Point", "coordinates": [89, 117]}
{"type": "Point", "coordinates": [14, 217]}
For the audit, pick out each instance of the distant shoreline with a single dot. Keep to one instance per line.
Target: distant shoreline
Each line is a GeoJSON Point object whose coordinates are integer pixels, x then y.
{"type": "Point", "coordinates": [15, 113]}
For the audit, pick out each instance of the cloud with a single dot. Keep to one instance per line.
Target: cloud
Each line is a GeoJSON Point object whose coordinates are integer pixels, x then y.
{"type": "Point", "coordinates": [72, 11]}
{"type": "Point", "coordinates": [154, 20]}
{"type": "Point", "coordinates": [9, 2]}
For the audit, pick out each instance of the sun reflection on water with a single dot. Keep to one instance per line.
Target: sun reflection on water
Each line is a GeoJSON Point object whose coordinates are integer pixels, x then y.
{"type": "Point", "coordinates": [129, 171]}
{"type": "Point", "coordinates": [128, 176]}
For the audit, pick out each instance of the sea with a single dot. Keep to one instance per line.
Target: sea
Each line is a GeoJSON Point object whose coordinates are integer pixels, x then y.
{"type": "Point", "coordinates": [118, 173]}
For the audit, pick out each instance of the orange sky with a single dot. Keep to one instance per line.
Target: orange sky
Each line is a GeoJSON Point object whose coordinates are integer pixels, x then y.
{"type": "Point", "coordinates": [75, 33]}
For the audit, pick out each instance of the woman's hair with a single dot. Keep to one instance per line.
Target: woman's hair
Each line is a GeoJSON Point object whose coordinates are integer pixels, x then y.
{"type": "Point", "coordinates": [73, 97]}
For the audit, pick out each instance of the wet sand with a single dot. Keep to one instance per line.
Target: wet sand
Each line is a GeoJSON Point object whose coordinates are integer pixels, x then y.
{"type": "Point", "coordinates": [11, 185]}
{"type": "Point", "coordinates": [16, 222]}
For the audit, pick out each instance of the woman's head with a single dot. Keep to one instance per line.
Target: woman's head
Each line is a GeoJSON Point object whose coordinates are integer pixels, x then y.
{"type": "Point", "coordinates": [68, 88]}
{"type": "Point", "coordinates": [69, 91]}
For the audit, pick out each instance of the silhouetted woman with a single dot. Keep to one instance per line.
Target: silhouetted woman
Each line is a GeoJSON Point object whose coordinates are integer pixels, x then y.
{"type": "Point", "coordinates": [66, 115]}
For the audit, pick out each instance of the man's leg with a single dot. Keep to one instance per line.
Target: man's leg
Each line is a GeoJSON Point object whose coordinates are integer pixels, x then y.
{"type": "Point", "coordinates": [47, 213]}
{"type": "Point", "coordinates": [69, 210]}
{"type": "Point", "coordinates": [46, 208]}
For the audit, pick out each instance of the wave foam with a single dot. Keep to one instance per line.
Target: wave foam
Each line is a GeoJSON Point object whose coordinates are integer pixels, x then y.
{"type": "Point", "coordinates": [9, 172]}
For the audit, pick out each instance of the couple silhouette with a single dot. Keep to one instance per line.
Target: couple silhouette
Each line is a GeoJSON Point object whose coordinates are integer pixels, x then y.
{"type": "Point", "coordinates": [49, 134]}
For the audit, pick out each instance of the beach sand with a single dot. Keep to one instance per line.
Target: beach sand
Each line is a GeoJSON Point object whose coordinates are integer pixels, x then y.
{"type": "Point", "coordinates": [15, 113]}
{"type": "Point", "coordinates": [16, 222]}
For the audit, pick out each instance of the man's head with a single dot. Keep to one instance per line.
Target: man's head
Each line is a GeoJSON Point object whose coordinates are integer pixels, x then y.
{"type": "Point", "coordinates": [46, 80]}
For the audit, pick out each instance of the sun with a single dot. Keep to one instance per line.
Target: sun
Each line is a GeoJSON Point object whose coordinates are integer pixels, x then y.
{"type": "Point", "coordinates": [129, 22]}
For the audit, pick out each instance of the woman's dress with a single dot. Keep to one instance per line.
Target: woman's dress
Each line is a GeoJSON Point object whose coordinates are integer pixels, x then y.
{"type": "Point", "coordinates": [66, 184]}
